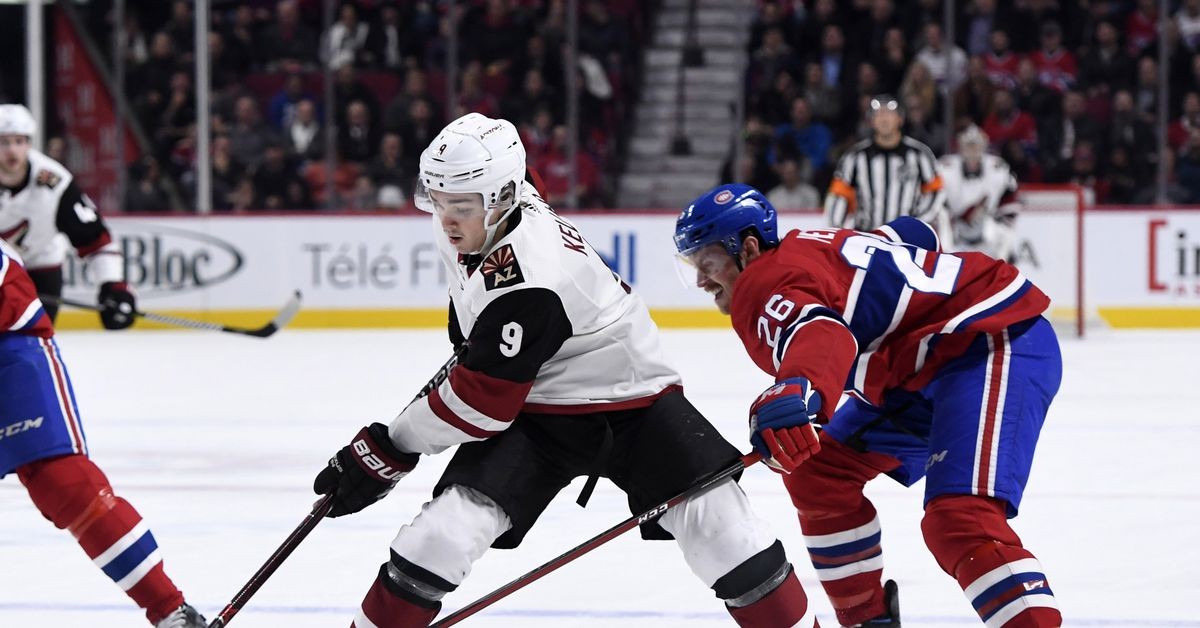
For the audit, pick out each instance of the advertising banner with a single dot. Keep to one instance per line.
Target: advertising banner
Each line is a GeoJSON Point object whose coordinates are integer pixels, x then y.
{"type": "Point", "coordinates": [1142, 267]}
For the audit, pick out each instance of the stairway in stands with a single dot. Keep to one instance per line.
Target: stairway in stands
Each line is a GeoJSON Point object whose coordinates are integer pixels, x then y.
{"type": "Point", "coordinates": [656, 175]}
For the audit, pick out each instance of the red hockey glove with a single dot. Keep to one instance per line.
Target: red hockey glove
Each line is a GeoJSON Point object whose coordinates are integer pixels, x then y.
{"type": "Point", "coordinates": [781, 426]}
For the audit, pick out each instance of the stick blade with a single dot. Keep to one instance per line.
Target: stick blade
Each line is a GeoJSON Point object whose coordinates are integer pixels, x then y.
{"type": "Point", "coordinates": [285, 316]}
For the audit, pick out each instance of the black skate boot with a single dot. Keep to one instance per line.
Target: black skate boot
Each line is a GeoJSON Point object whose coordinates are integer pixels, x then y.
{"type": "Point", "coordinates": [891, 602]}
{"type": "Point", "coordinates": [184, 617]}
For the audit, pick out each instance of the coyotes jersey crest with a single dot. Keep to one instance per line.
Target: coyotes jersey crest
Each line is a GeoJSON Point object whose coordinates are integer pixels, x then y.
{"type": "Point", "coordinates": [500, 269]}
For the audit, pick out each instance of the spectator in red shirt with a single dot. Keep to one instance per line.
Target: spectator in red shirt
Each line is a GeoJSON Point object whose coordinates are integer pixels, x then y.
{"type": "Point", "coordinates": [1182, 127]}
{"type": "Point", "coordinates": [472, 96]}
{"type": "Point", "coordinates": [1141, 27]}
{"type": "Point", "coordinates": [999, 61]}
{"type": "Point", "coordinates": [1055, 64]}
{"type": "Point", "coordinates": [1009, 123]}
{"type": "Point", "coordinates": [555, 170]}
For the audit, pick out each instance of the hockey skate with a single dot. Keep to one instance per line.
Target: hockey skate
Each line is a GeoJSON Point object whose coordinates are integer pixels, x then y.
{"type": "Point", "coordinates": [891, 603]}
{"type": "Point", "coordinates": [184, 617]}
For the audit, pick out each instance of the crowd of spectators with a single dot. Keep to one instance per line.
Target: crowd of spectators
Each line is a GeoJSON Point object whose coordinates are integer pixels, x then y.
{"type": "Point", "coordinates": [389, 61]}
{"type": "Point", "coordinates": [1067, 90]}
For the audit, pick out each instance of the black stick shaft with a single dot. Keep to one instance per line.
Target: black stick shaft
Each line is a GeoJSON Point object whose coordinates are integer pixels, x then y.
{"type": "Point", "coordinates": [320, 509]}
{"type": "Point", "coordinates": [596, 541]}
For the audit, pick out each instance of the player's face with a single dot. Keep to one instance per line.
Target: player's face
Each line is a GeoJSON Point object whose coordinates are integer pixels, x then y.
{"type": "Point", "coordinates": [14, 151]}
{"type": "Point", "coordinates": [716, 273]}
{"type": "Point", "coordinates": [461, 217]}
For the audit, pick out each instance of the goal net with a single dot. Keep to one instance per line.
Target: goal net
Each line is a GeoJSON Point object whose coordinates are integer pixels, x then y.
{"type": "Point", "coordinates": [1049, 250]}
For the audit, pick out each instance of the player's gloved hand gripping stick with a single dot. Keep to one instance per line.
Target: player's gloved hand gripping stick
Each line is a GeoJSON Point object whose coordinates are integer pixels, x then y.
{"type": "Point", "coordinates": [327, 503]}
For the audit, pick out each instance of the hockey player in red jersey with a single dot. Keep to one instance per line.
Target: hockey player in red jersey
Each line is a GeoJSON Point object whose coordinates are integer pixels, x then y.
{"type": "Point", "coordinates": [562, 377]}
{"type": "Point", "coordinates": [949, 369]}
{"type": "Point", "coordinates": [43, 442]}
{"type": "Point", "coordinates": [40, 203]}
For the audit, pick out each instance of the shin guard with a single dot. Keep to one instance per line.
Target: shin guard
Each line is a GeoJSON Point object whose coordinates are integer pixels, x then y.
{"type": "Point", "coordinates": [74, 494]}
{"type": "Point", "coordinates": [972, 541]}
{"type": "Point", "coordinates": [785, 606]}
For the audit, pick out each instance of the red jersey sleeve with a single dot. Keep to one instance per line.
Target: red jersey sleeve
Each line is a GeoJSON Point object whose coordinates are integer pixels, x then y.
{"type": "Point", "coordinates": [790, 330]}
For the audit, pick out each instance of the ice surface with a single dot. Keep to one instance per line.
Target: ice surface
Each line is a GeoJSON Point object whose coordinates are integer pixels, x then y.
{"type": "Point", "coordinates": [216, 439]}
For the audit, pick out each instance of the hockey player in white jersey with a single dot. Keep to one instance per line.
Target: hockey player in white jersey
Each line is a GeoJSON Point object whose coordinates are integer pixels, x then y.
{"type": "Point", "coordinates": [43, 211]}
{"type": "Point", "coordinates": [981, 194]}
{"type": "Point", "coordinates": [562, 377]}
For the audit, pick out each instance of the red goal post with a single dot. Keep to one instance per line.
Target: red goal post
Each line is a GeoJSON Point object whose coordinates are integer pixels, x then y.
{"type": "Point", "coordinates": [1050, 250]}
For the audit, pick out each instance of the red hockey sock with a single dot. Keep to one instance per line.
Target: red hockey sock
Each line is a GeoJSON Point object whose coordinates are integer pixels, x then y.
{"type": "Point", "coordinates": [386, 607]}
{"type": "Point", "coordinates": [787, 605]}
{"type": "Point", "coordinates": [74, 494]}
{"type": "Point", "coordinates": [972, 541]}
{"type": "Point", "coordinates": [841, 528]}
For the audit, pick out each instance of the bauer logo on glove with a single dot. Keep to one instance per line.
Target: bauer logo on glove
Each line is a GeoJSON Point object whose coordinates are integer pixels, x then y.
{"type": "Point", "coordinates": [781, 426]}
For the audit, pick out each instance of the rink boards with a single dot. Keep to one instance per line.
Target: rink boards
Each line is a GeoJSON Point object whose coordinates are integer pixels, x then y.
{"type": "Point", "coordinates": [1141, 269]}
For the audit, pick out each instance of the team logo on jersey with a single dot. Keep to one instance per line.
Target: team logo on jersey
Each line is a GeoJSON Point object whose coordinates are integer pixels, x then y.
{"type": "Point", "coordinates": [500, 269]}
{"type": "Point", "coordinates": [722, 197]}
{"type": "Point", "coordinates": [48, 179]}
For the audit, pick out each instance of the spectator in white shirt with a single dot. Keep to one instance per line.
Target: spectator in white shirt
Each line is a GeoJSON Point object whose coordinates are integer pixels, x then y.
{"type": "Point", "coordinates": [793, 192]}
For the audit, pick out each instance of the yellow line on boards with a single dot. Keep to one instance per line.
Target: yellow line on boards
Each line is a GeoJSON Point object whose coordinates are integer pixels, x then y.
{"type": "Point", "coordinates": [707, 318]}
{"type": "Point", "coordinates": [1151, 317]}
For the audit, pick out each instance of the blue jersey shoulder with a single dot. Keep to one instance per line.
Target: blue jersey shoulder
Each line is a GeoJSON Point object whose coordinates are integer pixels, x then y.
{"type": "Point", "coordinates": [909, 230]}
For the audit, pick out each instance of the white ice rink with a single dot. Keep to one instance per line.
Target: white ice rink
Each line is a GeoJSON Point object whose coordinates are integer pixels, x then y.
{"type": "Point", "coordinates": [216, 439]}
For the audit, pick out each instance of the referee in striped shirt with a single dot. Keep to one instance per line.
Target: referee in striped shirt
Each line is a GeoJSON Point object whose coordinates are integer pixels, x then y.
{"type": "Point", "coordinates": [885, 177]}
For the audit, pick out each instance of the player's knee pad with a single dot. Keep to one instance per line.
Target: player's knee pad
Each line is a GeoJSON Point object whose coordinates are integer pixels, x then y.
{"type": "Point", "coordinates": [717, 531]}
{"type": "Point", "coordinates": [955, 526]}
{"type": "Point", "coordinates": [70, 491]}
{"type": "Point", "coordinates": [451, 533]}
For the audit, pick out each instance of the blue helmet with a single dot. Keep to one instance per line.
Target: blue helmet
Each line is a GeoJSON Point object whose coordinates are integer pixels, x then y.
{"type": "Point", "coordinates": [721, 215]}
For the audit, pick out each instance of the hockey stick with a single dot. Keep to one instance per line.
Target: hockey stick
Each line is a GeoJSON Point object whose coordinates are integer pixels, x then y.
{"type": "Point", "coordinates": [319, 510]}
{"type": "Point", "coordinates": [579, 550]}
{"type": "Point", "coordinates": [285, 316]}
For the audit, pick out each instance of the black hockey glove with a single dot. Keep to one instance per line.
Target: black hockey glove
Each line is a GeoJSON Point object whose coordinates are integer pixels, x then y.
{"type": "Point", "coordinates": [118, 303]}
{"type": "Point", "coordinates": [364, 471]}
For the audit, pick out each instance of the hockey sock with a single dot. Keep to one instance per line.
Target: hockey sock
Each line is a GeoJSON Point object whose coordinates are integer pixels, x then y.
{"type": "Point", "coordinates": [972, 541]}
{"type": "Point", "coordinates": [785, 605]}
{"type": "Point", "coordinates": [74, 494]}
{"type": "Point", "coordinates": [841, 528]}
{"type": "Point", "coordinates": [398, 600]}
{"type": "Point", "coordinates": [848, 557]}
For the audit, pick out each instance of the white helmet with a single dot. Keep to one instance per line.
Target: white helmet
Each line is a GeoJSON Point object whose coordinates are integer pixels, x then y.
{"type": "Point", "coordinates": [972, 143]}
{"type": "Point", "coordinates": [475, 154]}
{"type": "Point", "coordinates": [17, 120]}
{"type": "Point", "coordinates": [972, 136]}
